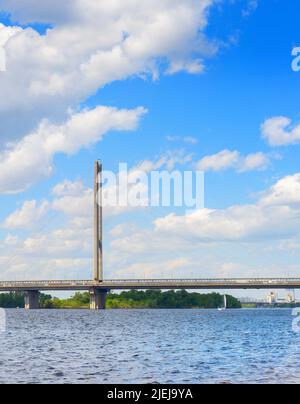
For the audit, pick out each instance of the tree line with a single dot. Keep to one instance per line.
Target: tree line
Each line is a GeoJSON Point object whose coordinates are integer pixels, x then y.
{"type": "Point", "coordinates": [150, 299]}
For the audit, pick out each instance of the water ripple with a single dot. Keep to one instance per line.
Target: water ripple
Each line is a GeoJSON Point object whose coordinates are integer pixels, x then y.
{"type": "Point", "coordinates": [144, 346]}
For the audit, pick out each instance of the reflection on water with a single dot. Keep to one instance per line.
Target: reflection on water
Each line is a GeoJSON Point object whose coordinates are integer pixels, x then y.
{"type": "Point", "coordinates": [144, 346]}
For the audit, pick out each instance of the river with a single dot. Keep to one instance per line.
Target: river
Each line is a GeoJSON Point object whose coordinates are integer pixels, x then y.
{"type": "Point", "coordinates": [149, 346]}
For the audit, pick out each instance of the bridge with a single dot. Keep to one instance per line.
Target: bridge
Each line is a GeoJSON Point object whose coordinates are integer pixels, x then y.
{"type": "Point", "coordinates": [99, 290]}
{"type": "Point", "coordinates": [98, 287]}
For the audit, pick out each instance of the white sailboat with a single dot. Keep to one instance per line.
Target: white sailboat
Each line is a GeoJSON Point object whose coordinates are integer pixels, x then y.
{"type": "Point", "coordinates": [225, 304]}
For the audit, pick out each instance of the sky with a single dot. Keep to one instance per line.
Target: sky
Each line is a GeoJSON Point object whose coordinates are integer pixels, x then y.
{"type": "Point", "coordinates": [193, 85]}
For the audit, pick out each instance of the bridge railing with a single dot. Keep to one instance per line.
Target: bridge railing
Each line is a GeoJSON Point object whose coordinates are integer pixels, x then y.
{"type": "Point", "coordinates": [45, 283]}
{"type": "Point", "coordinates": [172, 282]}
{"type": "Point", "coordinates": [213, 280]}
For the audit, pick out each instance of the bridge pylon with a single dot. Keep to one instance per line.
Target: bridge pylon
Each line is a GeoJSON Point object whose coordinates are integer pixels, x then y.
{"type": "Point", "coordinates": [98, 223]}
{"type": "Point", "coordinates": [98, 299]}
{"type": "Point", "coordinates": [32, 299]}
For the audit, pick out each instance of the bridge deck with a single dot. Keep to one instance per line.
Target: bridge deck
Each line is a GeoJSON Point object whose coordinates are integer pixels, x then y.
{"type": "Point", "coordinates": [276, 283]}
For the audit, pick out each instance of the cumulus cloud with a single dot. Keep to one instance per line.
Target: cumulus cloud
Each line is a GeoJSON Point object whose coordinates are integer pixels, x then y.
{"type": "Point", "coordinates": [24, 162]}
{"type": "Point", "coordinates": [279, 131]}
{"type": "Point", "coordinates": [61, 254]}
{"type": "Point", "coordinates": [27, 216]}
{"type": "Point", "coordinates": [227, 159]}
{"type": "Point", "coordinates": [255, 161]}
{"type": "Point", "coordinates": [85, 46]}
{"type": "Point", "coordinates": [89, 45]}
{"type": "Point", "coordinates": [74, 199]}
{"type": "Point", "coordinates": [238, 223]}
{"type": "Point", "coordinates": [198, 242]}
{"type": "Point", "coordinates": [6, 33]}
{"type": "Point", "coordinates": [27, 11]}
{"type": "Point", "coordinates": [275, 216]}
{"type": "Point", "coordinates": [220, 161]}
{"type": "Point", "coordinates": [285, 192]}
{"type": "Point", "coordinates": [52, 245]}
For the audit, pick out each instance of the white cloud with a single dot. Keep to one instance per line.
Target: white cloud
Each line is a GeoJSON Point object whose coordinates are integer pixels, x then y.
{"type": "Point", "coordinates": [75, 204]}
{"type": "Point", "coordinates": [123, 229]}
{"type": "Point", "coordinates": [255, 161]}
{"type": "Point", "coordinates": [278, 131]}
{"type": "Point", "coordinates": [275, 216]}
{"type": "Point", "coordinates": [195, 67]}
{"type": "Point", "coordinates": [27, 216]}
{"type": "Point", "coordinates": [27, 11]}
{"type": "Point", "coordinates": [220, 161]}
{"type": "Point", "coordinates": [23, 163]}
{"type": "Point", "coordinates": [227, 159]}
{"type": "Point", "coordinates": [68, 188]}
{"type": "Point", "coordinates": [74, 199]}
{"type": "Point", "coordinates": [285, 192]}
{"type": "Point", "coordinates": [238, 223]}
{"type": "Point", "coordinates": [6, 33]}
{"type": "Point", "coordinates": [250, 8]}
{"type": "Point", "coordinates": [191, 140]}
{"type": "Point", "coordinates": [194, 244]}
{"type": "Point", "coordinates": [62, 252]}
{"type": "Point", "coordinates": [149, 269]}
{"type": "Point", "coordinates": [90, 45]}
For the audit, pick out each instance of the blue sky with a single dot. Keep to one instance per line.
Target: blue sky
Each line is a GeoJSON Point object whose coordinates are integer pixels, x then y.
{"type": "Point", "coordinates": [246, 79]}
{"type": "Point", "coordinates": [243, 85]}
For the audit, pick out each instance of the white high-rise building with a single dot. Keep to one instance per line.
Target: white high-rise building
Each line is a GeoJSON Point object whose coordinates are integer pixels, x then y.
{"type": "Point", "coordinates": [272, 298]}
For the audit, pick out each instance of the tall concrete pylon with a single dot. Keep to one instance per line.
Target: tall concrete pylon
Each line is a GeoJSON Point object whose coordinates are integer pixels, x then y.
{"type": "Point", "coordinates": [98, 223]}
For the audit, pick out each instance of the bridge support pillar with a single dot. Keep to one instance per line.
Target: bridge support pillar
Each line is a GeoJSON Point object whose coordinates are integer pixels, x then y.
{"type": "Point", "coordinates": [31, 300]}
{"type": "Point", "coordinates": [98, 299]}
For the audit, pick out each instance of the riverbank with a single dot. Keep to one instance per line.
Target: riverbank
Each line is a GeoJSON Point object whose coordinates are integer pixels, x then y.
{"type": "Point", "coordinates": [152, 299]}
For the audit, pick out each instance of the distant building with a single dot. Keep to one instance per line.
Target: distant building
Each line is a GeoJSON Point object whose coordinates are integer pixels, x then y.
{"type": "Point", "coordinates": [272, 298]}
{"type": "Point", "coordinates": [290, 298]}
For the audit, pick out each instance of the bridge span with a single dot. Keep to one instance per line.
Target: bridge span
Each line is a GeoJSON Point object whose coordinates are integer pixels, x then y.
{"type": "Point", "coordinates": [99, 290]}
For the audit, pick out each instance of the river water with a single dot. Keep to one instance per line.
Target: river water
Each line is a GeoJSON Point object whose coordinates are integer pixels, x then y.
{"type": "Point", "coordinates": [150, 346]}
